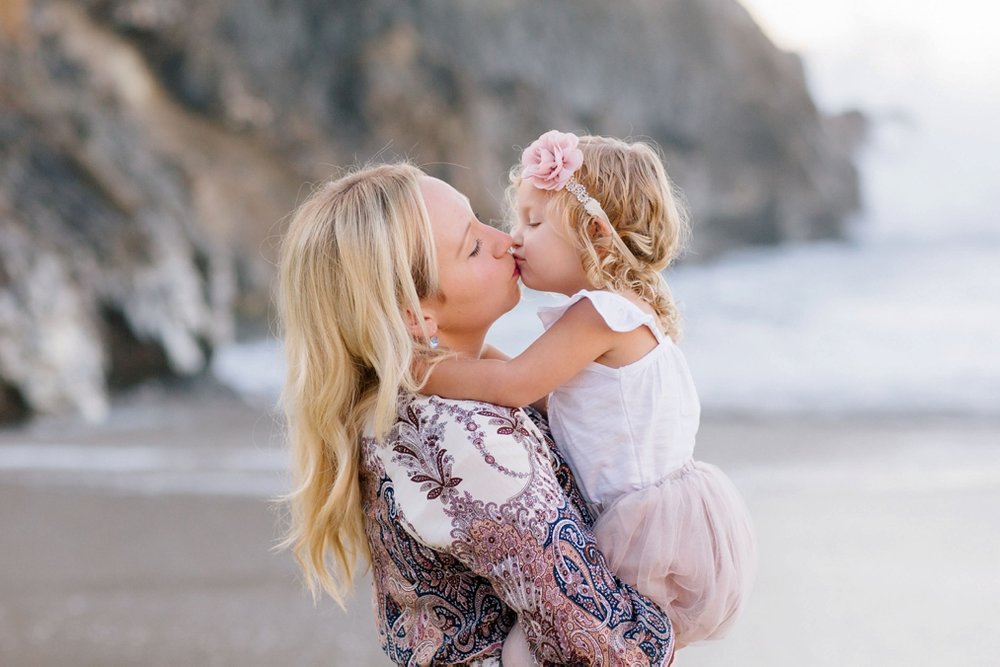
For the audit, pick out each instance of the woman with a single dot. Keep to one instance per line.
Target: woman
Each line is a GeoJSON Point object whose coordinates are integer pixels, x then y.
{"type": "Point", "coordinates": [457, 505]}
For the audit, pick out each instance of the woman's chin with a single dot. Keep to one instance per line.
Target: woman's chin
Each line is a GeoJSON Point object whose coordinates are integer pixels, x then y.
{"type": "Point", "coordinates": [515, 299]}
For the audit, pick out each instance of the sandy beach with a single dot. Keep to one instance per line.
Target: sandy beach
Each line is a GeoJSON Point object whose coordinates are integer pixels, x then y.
{"type": "Point", "coordinates": [148, 540]}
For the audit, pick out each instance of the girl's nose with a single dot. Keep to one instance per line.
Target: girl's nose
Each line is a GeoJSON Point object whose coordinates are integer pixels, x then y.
{"type": "Point", "coordinates": [517, 235]}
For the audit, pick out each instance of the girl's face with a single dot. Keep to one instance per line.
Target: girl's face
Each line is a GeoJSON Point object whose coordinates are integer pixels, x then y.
{"type": "Point", "coordinates": [545, 255]}
{"type": "Point", "coordinates": [477, 274]}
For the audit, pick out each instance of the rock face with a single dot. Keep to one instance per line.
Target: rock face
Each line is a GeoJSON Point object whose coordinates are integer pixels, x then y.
{"type": "Point", "coordinates": [458, 85]}
{"type": "Point", "coordinates": [128, 228]}
{"type": "Point", "coordinates": [149, 149]}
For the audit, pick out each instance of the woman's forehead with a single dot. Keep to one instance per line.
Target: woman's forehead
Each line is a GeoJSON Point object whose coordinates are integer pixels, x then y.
{"type": "Point", "coordinates": [448, 209]}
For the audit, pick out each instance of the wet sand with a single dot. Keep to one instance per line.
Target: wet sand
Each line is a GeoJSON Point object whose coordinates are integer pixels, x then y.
{"type": "Point", "coordinates": [147, 541]}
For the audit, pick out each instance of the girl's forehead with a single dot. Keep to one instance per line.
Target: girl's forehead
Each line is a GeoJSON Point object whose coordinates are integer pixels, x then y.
{"type": "Point", "coordinates": [529, 195]}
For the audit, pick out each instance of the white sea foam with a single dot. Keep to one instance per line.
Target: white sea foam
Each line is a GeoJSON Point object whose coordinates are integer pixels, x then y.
{"type": "Point", "coordinates": [817, 328]}
{"type": "Point", "coordinates": [826, 328]}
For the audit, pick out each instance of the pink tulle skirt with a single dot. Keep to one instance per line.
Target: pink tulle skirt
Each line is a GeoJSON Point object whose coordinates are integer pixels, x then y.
{"type": "Point", "coordinates": [686, 543]}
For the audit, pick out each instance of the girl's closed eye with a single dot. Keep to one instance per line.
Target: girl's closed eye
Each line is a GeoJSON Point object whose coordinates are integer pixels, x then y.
{"type": "Point", "coordinates": [475, 250]}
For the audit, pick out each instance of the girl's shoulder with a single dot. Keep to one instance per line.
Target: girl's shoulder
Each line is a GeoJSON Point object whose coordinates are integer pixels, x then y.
{"type": "Point", "coordinates": [620, 312]}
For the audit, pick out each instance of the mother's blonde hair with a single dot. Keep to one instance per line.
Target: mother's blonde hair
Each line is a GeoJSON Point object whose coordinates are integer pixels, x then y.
{"type": "Point", "coordinates": [357, 255]}
{"type": "Point", "coordinates": [647, 213]}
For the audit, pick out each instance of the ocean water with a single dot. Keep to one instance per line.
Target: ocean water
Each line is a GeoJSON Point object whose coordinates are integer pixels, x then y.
{"type": "Point", "coordinates": [826, 329]}
{"type": "Point", "coordinates": [846, 328]}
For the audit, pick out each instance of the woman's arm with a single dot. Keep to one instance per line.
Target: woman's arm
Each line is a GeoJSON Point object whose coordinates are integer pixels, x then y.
{"type": "Point", "coordinates": [477, 482]}
{"type": "Point", "coordinates": [574, 340]}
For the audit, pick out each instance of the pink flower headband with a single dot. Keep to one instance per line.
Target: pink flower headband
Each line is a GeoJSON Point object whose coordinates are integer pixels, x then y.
{"type": "Point", "coordinates": [549, 163]}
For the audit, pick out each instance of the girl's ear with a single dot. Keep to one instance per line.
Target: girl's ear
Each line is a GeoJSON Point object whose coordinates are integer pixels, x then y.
{"type": "Point", "coordinates": [423, 326]}
{"type": "Point", "coordinates": [599, 230]}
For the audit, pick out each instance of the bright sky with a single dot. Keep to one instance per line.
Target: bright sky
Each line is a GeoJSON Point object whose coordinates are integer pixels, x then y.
{"type": "Point", "coordinates": [927, 72]}
{"type": "Point", "coordinates": [953, 41]}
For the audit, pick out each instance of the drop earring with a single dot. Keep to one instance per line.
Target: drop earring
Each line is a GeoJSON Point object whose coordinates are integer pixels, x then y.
{"type": "Point", "coordinates": [434, 342]}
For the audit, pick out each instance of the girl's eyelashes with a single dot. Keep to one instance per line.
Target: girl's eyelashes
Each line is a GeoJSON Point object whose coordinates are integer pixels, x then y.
{"type": "Point", "coordinates": [475, 250]}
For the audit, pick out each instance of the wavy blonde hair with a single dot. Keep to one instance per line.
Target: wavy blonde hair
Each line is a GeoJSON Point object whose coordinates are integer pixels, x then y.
{"type": "Point", "coordinates": [357, 254]}
{"type": "Point", "coordinates": [645, 209]}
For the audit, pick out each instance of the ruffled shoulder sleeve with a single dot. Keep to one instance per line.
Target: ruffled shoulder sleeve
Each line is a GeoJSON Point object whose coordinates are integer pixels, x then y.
{"type": "Point", "coordinates": [618, 313]}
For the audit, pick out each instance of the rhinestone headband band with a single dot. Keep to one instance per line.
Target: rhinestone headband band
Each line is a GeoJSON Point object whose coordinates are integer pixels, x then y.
{"type": "Point", "coordinates": [590, 205]}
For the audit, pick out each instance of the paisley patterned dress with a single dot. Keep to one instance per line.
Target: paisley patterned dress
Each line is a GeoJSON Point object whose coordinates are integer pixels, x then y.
{"type": "Point", "coordinates": [473, 519]}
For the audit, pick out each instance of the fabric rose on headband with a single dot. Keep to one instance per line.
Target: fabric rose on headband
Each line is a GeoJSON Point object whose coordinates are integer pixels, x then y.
{"type": "Point", "coordinates": [549, 162]}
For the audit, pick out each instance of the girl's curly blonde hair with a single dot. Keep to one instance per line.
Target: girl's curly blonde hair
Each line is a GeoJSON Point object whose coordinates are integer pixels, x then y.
{"type": "Point", "coordinates": [646, 211]}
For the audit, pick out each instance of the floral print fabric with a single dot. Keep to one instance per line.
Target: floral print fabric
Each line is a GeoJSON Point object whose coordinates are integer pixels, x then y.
{"type": "Point", "coordinates": [472, 518]}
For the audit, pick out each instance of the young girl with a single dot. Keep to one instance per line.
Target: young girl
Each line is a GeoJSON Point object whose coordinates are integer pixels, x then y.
{"type": "Point", "coordinates": [598, 220]}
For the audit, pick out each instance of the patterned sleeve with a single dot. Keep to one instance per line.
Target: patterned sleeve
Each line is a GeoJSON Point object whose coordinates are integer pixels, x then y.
{"type": "Point", "coordinates": [561, 469]}
{"type": "Point", "coordinates": [479, 482]}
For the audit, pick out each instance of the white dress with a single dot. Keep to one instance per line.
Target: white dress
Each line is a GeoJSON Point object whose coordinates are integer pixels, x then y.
{"type": "Point", "coordinates": [623, 429]}
{"type": "Point", "coordinates": [674, 528]}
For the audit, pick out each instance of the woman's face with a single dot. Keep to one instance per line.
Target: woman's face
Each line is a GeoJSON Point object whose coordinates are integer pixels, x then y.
{"type": "Point", "coordinates": [478, 276]}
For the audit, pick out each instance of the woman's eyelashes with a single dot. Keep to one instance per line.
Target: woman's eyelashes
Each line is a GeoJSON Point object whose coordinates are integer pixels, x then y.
{"type": "Point", "coordinates": [477, 248]}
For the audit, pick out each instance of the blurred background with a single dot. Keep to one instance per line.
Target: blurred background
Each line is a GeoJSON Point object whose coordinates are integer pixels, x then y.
{"type": "Point", "coordinates": [841, 295]}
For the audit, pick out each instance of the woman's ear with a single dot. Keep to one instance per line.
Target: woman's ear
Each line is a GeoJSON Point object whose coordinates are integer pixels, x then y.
{"type": "Point", "coordinates": [423, 326]}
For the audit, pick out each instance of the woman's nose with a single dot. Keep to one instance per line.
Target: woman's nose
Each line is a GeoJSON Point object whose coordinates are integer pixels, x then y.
{"type": "Point", "coordinates": [503, 244]}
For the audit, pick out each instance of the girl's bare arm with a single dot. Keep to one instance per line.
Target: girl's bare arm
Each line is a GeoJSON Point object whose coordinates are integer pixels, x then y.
{"type": "Point", "coordinates": [579, 337]}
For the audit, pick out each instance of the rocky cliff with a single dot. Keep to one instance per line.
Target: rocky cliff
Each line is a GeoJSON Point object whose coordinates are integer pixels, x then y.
{"type": "Point", "coordinates": [149, 149]}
